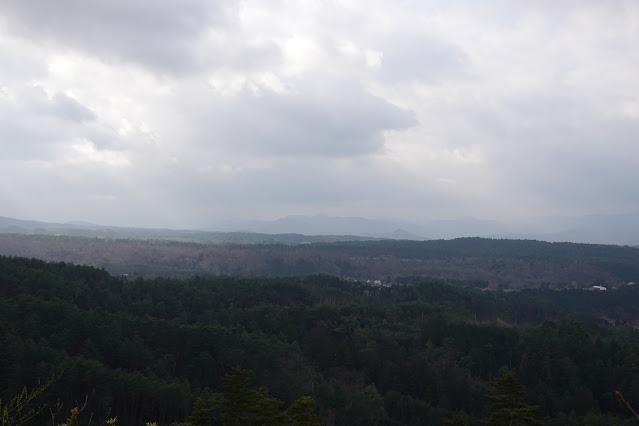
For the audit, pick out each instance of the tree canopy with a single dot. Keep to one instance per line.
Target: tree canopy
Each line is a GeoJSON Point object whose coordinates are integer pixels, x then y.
{"type": "Point", "coordinates": [166, 350]}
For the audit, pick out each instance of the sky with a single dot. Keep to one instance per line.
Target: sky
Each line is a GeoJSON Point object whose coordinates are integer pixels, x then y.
{"type": "Point", "coordinates": [185, 113]}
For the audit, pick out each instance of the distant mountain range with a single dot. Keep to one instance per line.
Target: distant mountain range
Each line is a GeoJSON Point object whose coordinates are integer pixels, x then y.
{"type": "Point", "coordinates": [600, 229]}
{"type": "Point", "coordinates": [85, 229]}
{"type": "Point", "coordinates": [327, 225]}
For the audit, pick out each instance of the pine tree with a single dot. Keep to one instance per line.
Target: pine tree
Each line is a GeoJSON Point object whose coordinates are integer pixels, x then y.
{"type": "Point", "coordinates": [508, 406]}
{"type": "Point", "coordinates": [267, 409]}
{"type": "Point", "coordinates": [203, 413]}
{"type": "Point", "coordinates": [459, 418]}
{"type": "Point", "coordinates": [243, 406]}
{"type": "Point", "coordinates": [302, 412]}
{"type": "Point", "coordinates": [238, 400]}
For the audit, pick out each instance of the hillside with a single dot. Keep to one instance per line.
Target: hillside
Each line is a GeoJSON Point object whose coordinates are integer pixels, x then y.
{"type": "Point", "coordinates": [409, 354]}
{"type": "Point", "coordinates": [468, 261]}
{"type": "Point", "coordinates": [89, 230]}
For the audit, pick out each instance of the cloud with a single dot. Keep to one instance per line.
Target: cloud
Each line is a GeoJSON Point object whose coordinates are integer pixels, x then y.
{"type": "Point", "coordinates": [69, 109]}
{"type": "Point", "coordinates": [85, 152]}
{"type": "Point", "coordinates": [420, 58]}
{"type": "Point", "coordinates": [58, 105]}
{"type": "Point", "coordinates": [36, 124]}
{"type": "Point", "coordinates": [332, 119]}
{"type": "Point", "coordinates": [163, 35]}
{"type": "Point", "coordinates": [189, 111]}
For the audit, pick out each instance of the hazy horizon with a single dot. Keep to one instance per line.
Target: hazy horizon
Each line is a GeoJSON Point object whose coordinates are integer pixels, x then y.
{"type": "Point", "coordinates": [593, 229]}
{"type": "Point", "coordinates": [179, 114]}
{"type": "Point", "coordinates": [399, 220]}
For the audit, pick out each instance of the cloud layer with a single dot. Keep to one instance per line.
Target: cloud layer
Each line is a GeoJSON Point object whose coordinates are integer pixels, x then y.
{"type": "Point", "coordinates": [185, 113]}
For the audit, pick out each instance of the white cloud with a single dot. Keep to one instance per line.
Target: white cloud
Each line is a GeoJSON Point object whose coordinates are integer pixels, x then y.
{"type": "Point", "coordinates": [212, 110]}
{"type": "Point", "coordinates": [84, 151]}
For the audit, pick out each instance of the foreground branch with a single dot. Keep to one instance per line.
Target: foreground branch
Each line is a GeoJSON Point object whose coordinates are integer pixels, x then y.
{"type": "Point", "coordinates": [627, 406]}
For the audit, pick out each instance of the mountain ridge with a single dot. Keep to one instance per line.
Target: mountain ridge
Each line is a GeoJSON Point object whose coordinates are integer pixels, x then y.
{"type": "Point", "coordinates": [594, 229]}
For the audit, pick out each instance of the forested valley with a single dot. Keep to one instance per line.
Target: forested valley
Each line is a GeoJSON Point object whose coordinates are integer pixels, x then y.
{"type": "Point", "coordinates": [310, 349]}
{"type": "Point", "coordinates": [478, 262]}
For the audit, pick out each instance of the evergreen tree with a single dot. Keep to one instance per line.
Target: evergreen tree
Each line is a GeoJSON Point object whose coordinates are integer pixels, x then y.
{"type": "Point", "coordinates": [238, 401]}
{"type": "Point", "coordinates": [302, 412]}
{"type": "Point", "coordinates": [459, 418]}
{"type": "Point", "coordinates": [243, 406]}
{"type": "Point", "coordinates": [267, 409]}
{"type": "Point", "coordinates": [508, 406]}
{"type": "Point", "coordinates": [203, 413]}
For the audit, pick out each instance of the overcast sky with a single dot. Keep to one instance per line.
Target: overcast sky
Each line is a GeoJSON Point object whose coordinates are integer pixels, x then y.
{"type": "Point", "coordinates": [183, 113]}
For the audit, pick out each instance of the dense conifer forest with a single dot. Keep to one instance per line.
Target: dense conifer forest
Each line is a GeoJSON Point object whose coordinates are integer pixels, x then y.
{"type": "Point", "coordinates": [209, 350]}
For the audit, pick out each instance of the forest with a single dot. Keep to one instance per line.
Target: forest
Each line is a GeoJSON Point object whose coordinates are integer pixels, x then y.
{"type": "Point", "coordinates": [505, 264]}
{"type": "Point", "coordinates": [315, 349]}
